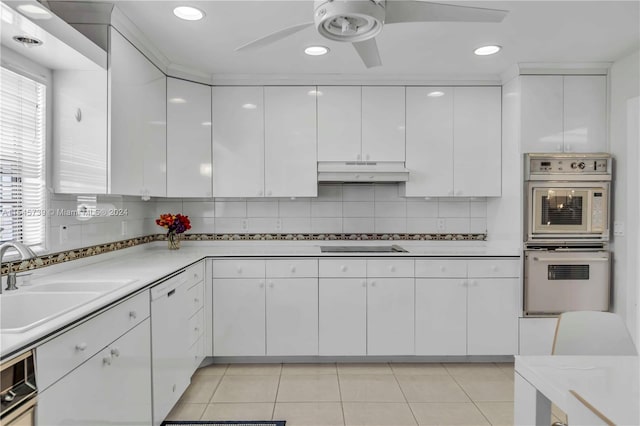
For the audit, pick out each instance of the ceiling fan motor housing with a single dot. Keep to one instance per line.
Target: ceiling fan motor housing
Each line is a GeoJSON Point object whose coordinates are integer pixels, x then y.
{"type": "Point", "coordinates": [349, 20]}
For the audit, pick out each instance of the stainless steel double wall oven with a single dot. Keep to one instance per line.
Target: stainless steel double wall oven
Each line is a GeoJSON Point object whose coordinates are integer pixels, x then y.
{"type": "Point", "coordinates": [567, 216]}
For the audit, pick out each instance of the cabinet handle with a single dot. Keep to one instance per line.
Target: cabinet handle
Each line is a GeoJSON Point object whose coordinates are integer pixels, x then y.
{"type": "Point", "coordinates": [196, 300]}
{"type": "Point", "coordinates": [364, 283]}
{"type": "Point", "coordinates": [260, 193]}
{"type": "Point", "coordinates": [81, 346]}
{"type": "Point", "coordinates": [115, 352]}
{"type": "Point", "coordinates": [368, 156]}
{"type": "Point", "coordinates": [474, 283]}
{"type": "Point", "coordinates": [450, 192]}
{"type": "Point", "coordinates": [195, 276]}
{"type": "Point", "coordinates": [239, 270]}
{"type": "Point", "coordinates": [261, 284]}
{"type": "Point", "coordinates": [343, 268]}
{"type": "Point", "coordinates": [196, 329]}
{"type": "Point", "coordinates": [106, 360]}
{"type": "Point", "coordinates": [293, 269]}
{"type": "Point", "coordinates": [494, 268]}
{"type": "Point", "coordinates": [392, 268]}
{"type": "Point", "coordinates": [270, 284]}
{"type": "Point", "coordinates": [358, 157]}
{"type": "Point", "coordinates": [373, 283]}
{"type": "Point", "coordinates": [463, 283]}
{"type": "Point", "coordinates": [133, 314]}
{"type": "Point", "coordinates": [269, 193]}
{"type": "Point", "coordinates": [357, 176]}
{"type": "Point", "coordinates": [442, 269]}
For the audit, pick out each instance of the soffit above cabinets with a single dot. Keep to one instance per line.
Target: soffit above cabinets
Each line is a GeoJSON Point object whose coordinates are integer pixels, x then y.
{"type": "Point", "coordinates": [533, 31]}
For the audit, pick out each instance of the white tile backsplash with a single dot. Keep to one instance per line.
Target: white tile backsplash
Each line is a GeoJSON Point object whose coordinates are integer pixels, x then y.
{"type": "Point", "coordinates": [339, 208]}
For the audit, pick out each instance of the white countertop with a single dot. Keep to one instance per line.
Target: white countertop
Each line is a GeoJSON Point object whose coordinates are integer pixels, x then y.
{"type": "Point", "coordinates": [151, 262]}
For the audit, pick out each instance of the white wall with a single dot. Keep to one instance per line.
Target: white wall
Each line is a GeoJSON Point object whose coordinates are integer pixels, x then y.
{"type": "Point", "coordinates": [624, 84]}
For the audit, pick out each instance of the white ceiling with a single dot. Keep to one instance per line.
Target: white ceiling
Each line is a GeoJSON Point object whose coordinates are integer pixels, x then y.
{"type": "Point", "coordinates": [533, 31]}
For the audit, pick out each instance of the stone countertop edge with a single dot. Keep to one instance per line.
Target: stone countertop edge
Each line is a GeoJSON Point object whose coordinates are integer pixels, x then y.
{"type": "Point", "coordinates": [154, 262]}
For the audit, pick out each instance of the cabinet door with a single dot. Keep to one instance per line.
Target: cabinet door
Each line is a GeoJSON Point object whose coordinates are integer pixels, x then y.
{"type": "Point", "coordinates": [188, 139]}
{"type": "Point", "coordinates": [541, 114]}
{"type": "Point", "coordinates": [238, 141]}
{"type": "Point", "coordinates": [238, 317]}
{"type": "Point", "coordinates": [95, 392]}
{"type": "Point", "coordinates": [291, 165]}
{"type": "Point", "coordinates": [138, 121]}
{"type": "Point", "coordinates": [492, 321]}
{"type": "Point", "coordinates": [429, 141]}
{"type": "Point", "coordinates": [585, 115]}
{"type": "Point", "coordinates": [441, 316]}
{"type": "Point", "coordinates": [339, 123]}
{"type": "Point", "coordinates": [390, 316]}
{"type": "Point", "coordinates": [383, 123]}
{"type": "Point", "coordinates": [130, 364]}
{"type": "Point", "coordinates": [292, 316]}
{"type": "Point", "coordinates": [80, 146]}
{"type": "Point", "coordinates": [342, 316]}
{"type": "Point", "coordinates": [477, 133]}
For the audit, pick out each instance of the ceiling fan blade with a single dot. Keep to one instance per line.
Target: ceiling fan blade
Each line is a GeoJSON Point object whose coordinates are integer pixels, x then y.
{"type": "Point", "coordinates": [368, 51]}
{"type": "Point", "coordinates": [398, 11]}
{"type": "Point", "coordinates": [273, 37]}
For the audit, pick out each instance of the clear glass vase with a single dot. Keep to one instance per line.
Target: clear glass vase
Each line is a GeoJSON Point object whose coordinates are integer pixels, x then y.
{"type": "Point", "coordinates": [173, 239]}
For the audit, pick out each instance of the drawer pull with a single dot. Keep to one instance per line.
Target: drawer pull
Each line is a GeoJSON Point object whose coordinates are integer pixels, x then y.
{"type": "Point", "coordinates": [196, 300]}
{"type": "Point", "coordinates": [392, 268]}
{"type": "Point", "coordinates": [196, 329]}
{"type": "Point", "coordinates": [442, 269]}
{"type": "Point", "coordinates": [373, 283]}
{"type": "Point", "coordinates": [364, 283]}
{"type": "Point", "coordinates": [106, 360]}
{"type": "Point", "coordinates": [494, 268]}
{"type": "Point", "coordinates": [239, 270]}
{"type": "Point", "coordinates": [81, 346]}
{"type": "Point", "coordinates": [270, 284]}
{"type": "Point", "coordinates": [343, 268]}
{"type": "Point", "coordinates": [133, 314]}
{"type": "Point", "coordinates": [171, 293]}
{"type": "Point", "coordinates": [115, 352]}
{"type": "Point", "coordinates": [195, 276]}
{"type": "Point", "coordinates": [293, 269]}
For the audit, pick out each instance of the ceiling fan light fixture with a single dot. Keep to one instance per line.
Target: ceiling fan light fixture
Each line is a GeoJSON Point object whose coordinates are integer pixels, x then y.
{"type": "Point", "coordinates": [316, 50]}
{"type": "Point", "coordinates": [349, 21]}
{"type": "Point", "coordinates": [188, 13]}
{"type": "Point", "coordinates": [491, 49]}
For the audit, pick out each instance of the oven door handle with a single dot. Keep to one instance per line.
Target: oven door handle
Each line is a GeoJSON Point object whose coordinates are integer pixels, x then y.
{"type": "Point", "coordinates": [571, 259]}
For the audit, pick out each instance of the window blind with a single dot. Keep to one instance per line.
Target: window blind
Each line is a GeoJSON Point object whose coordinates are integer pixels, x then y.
{"type": "Point", "coordinates": [22, 156]}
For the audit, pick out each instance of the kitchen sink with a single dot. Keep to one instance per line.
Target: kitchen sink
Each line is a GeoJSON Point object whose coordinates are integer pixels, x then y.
{"type": "Point", "coordinates": [20, 312]}
{"type": "Point", "coordinates": [79, 286]}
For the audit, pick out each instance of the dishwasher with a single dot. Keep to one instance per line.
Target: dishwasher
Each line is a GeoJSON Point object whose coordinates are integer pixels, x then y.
{"type": "Point", "coordinates": [169, 343]}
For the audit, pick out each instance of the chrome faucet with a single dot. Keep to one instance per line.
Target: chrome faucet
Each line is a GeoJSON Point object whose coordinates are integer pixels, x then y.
{"type": "Point", "coordinates": [25, 254]}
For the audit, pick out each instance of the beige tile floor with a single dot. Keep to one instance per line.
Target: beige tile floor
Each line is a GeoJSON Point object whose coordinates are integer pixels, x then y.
{"type": "Point", "coordinates": [383, 394]}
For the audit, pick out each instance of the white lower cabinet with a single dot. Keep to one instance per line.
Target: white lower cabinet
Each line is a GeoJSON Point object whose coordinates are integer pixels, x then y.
{"type": "Point", "coordinates": [441, 316]}
{"type": "Point", "coordinates": [112, 387]}
{"type": "Point", "coordinates": [238, 316]}
{"type": "Point", "coordinates": [292, 316]}
{"type": "Point", "coordinates": [390, 316]}
{"type": "Point", "coordinates": [536, 335]}
{"type": "Point", "coordinates": [342, 316]}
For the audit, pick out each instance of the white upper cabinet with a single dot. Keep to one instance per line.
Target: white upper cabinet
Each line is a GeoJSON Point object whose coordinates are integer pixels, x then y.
{"type": "Point", "coordinates": [138, 122]}
{"type": "Point", "coordinates": [585, 113]}
{"type": "Point", "coordinates": [80, 131]}
{"type": "Point", "coordinates": [383, 124]}
{"type": "Point", "coordinates": [290, 142]}
{"type": "Point", "coordinates": [189, 161]}
{"type": "Point", "coordinates": [477, 132]}
{"type": "Point", "coordinates": [339, 123]}
{"type": "Point", "coordinates": [361, 123]}
{"type": "Point", "coordinates": [429, 141]}
{"type": "Point", "coordinates": [563, 113]}
{"type": "Point", "coordinates": [454, 141]}
{"type": "Point", "coordinates": [238, 141]}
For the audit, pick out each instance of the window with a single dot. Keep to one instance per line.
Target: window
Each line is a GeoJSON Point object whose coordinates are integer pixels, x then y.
{"type": "Point", "coordinates": [22, 157]}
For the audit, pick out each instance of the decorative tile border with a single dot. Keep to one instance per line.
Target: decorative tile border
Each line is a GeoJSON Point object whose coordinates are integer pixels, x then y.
{"type": "Point", "coordinates": [69, 255]}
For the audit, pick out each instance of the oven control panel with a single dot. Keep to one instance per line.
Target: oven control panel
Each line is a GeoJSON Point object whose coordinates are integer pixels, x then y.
{"type": "Point", "coordinates": [568, 166]}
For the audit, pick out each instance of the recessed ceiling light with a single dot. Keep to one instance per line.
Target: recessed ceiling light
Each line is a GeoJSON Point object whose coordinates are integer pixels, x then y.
{"type": "Point", "coordinates": [188, 13]}
{"type": "Point", "coordinates": [314, 92]}
{"type": "Point", "coordinates": [435, 94]}
{"type": "Point", "coordinates": [249, 106]}
{"type": "Point", "coordinates": [206, 123]}
{"type": "Point", "coordinates": [316, 50]}
{"type": "Point", "coordinates": [33, 11]}
{"type": "Point", "coordinates": [178, 101]}
{"type": "Point", "coordinates": [487, 50]}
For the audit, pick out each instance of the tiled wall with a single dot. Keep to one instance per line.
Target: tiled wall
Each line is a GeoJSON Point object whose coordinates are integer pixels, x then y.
{"type": "Point", "coordinates": [137, 216]}
{"type": "Point", "coordinates": [340, 208]}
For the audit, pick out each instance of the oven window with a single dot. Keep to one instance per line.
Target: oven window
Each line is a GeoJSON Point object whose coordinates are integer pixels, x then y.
{"type": "Point", "coordinates": [561, 208]}
{"type": "Point", "coordinates": [568, 272]}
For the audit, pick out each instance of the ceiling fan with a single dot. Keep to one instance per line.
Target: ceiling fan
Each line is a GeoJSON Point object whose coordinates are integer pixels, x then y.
{"type": "Point", "coordinates": [359, 21]}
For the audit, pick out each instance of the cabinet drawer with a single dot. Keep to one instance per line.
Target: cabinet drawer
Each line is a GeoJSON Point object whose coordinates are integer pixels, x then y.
{"type": "Point", "coordinates": [238, 268]}
{"type": "Point", "coordinates": [441, 268]}
{"type": "Point", "coordinates": [196, 324]}
{"type": "Point", "coordinates": [292, 268]}
{"type": "Point", "coordinates": [494, 268]}
{"type": "Point", "coordinates": [59, 356]}
{"type": "Point", "coordinates": [347, 268]}
{"type": "Point", "coordinates": [390, 268]}
{"type": "Point", "coordinates": [195, 273]}
{"type": "Point", "coordinates": [195, 298]}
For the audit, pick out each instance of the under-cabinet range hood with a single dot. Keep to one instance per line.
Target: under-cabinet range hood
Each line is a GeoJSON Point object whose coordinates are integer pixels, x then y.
{"type": "Point", "coordinates": [361, 171]}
